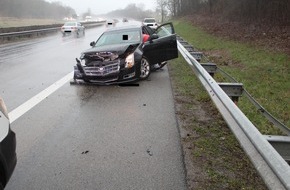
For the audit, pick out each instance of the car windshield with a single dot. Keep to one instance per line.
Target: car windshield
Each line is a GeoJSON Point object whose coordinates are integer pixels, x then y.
{"type": "Point", "coordinates": [70, 24]}
{"type": "Point", "coordinates": [119, 37]}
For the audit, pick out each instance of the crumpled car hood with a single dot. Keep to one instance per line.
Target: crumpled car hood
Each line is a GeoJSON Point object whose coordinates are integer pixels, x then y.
{"type": "Point", "coordinates": [110, 52]}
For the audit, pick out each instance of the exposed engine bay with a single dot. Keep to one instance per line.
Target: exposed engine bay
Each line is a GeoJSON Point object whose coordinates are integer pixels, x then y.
{"type": "Point", "coordinates": [103, 57]}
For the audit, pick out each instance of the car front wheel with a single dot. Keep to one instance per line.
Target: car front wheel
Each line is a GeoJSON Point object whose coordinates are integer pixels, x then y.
{"type": "Point", "coordinates": [145, 69]}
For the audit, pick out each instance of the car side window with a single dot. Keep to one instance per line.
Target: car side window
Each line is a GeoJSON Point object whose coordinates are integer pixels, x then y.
{"type": "Point", "coordinates": [147, 30]}
{"type": "Point", "coordinates": [165, 30]}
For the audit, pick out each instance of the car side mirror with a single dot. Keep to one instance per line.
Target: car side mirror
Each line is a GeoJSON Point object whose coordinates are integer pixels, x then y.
{"type": "Point", "coordinates": [92, 44]}
{"type": "Point", "coordinates": [153, 37]}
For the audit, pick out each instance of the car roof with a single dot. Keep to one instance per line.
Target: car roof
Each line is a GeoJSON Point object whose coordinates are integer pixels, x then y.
{"type": "Point", "coordinates": [149, 18]}
{"type": "Point", "coordinates": [127, 27]}
{"type": "Point", "coordinates": [71, 22]}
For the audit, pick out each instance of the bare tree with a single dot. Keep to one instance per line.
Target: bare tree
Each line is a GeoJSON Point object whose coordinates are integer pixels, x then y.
{"type": "Point", "coordinates": [34, 9]}
{"type": "Point", "coordinates": [272, 11]}
{"type": "Point", "coordinates": [132, 11]}
{"type": "Point", "coordinates": [173, 7]}
{"type": "Point", "coordinates": [161, 5]}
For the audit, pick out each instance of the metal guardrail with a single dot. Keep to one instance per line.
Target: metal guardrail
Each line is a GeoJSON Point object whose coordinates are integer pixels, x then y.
{"type": "Point", "coordinates": [46, 30]}
{"type": "Point", "coordinates": [10, 34]}
{"type": "Point", "coordinates": [260, 108]}
{"type": "Point", "coordinates": [273, 169]}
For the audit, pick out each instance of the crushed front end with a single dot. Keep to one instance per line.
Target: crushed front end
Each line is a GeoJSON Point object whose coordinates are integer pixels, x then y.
{"type": "Point", "coordinates": [105, 67]}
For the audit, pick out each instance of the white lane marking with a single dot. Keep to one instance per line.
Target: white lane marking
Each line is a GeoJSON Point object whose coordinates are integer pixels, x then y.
{"type": "Point", "coordinates": [25, 107]}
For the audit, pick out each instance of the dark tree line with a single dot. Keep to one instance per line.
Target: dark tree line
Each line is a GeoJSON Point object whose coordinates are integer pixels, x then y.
{"type": "Point", "coordinates": [132, 11]}
{"type": "Point", "coordinates": [34, 9]}
{"type": "Point", "coordinates": [274, 11]}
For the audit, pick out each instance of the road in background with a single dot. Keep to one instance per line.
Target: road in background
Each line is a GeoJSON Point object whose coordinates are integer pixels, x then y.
{"type": "Point", "coordinates": [27, 67]}
{"type": "Point", "coordinates": [88, 137]}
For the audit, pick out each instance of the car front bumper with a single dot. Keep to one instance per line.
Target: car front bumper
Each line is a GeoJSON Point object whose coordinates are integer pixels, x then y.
{"type": "Point", "coordinates": [68, 31]}
{"type": "Point", "coordinates": [109, 74]}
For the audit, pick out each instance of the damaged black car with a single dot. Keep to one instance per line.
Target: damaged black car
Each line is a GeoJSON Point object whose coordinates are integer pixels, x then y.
{"type": "Point", "coordinates": [126, 54]}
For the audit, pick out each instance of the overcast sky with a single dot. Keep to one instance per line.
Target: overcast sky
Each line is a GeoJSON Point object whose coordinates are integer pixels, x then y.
{"type": "Point", "coordinates": [105, 6]}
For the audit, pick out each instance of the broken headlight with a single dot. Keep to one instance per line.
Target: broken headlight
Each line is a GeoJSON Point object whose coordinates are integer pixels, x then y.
{"type": "Point", "coordinates": [3, 108]}
{"type": "Point", "coordinates": [82, 56]}
{"type": "Point", "coordinates": [129, 61]}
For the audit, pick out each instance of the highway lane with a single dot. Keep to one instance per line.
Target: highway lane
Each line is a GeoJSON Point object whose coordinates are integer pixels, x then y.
{"type": "Point", "coordinates": [90, 137]}
{"type": "Point", "coordinates": [28, 67]}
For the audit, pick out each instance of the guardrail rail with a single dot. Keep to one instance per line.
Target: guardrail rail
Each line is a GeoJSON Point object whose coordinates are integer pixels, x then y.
{"type": "Point", "coordinates": [267, 153]}
{"type": "Point", "coordinates": [27, 33]}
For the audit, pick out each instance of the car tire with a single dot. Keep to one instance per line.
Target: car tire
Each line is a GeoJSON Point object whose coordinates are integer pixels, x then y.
{"type": "Point", "coordinates": [145, 69]}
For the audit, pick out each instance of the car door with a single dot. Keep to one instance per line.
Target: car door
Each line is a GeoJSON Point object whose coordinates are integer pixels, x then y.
{"type": "Point", "coordinates": [162, 45]}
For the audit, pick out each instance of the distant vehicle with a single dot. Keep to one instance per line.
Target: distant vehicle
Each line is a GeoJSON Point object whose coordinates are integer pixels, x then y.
{"type": "Point", "coordinates": [125, 20]}
{"type": "Point", "coordinates": [88, 18]}
{"type": "Point", "coordinates": [75, 28]}
{"type": "Point", "coordinates": [110, 22]}
{"type": "Point", "coordinates": [121, 54]}
{"type": "Point", "coordinates": [151, 22]}
{"type": "Point", "coordinates": [7, 147]}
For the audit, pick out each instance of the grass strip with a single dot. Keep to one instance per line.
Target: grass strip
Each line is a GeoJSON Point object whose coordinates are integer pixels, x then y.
{"type": "Point", "coordinates": [213, 156]}
{"type": "Point", "coordinates": [264, 74]}
{"type": "Point", "coordinates": [7, 22]}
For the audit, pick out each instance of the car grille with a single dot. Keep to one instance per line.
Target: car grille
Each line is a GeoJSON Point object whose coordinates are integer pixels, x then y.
{"type": "Point", "coordinates": [111, 67]}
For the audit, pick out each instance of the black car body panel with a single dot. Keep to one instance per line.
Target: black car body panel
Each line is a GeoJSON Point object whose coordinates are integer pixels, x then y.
{"type": "Point", "coordinates": [7, 147]}
{"type": "Point", "coordinates": [7, 157]}
{"type": "Point", "coordinates": [116, 56]}
{"type": "Point", "coordinates": [161, 50]}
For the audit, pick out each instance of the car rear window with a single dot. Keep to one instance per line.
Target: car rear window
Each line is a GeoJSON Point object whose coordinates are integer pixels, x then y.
{"type": "Point", "coordinates": [149, 20]}
{"type": "Point", "coordinates": [70, 24]}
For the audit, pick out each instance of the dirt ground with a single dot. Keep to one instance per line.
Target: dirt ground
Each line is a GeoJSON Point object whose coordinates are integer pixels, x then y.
{"type": "Point", "coordinates": [274, 38]}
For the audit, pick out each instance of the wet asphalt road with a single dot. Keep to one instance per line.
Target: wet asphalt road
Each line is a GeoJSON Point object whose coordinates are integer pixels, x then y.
{"type": "Point", "coordinates": [88, 137]}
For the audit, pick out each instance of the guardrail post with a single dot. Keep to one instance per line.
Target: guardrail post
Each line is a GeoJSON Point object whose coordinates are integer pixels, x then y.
{"type": "Point", "coordinates": [189, 48]}
{"type": "Point", "coordinates": [281, 145]}
{"type": "Point", "coordinates": [233, 90]}
{"type": "Point", "coordinates": [211, 68]}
